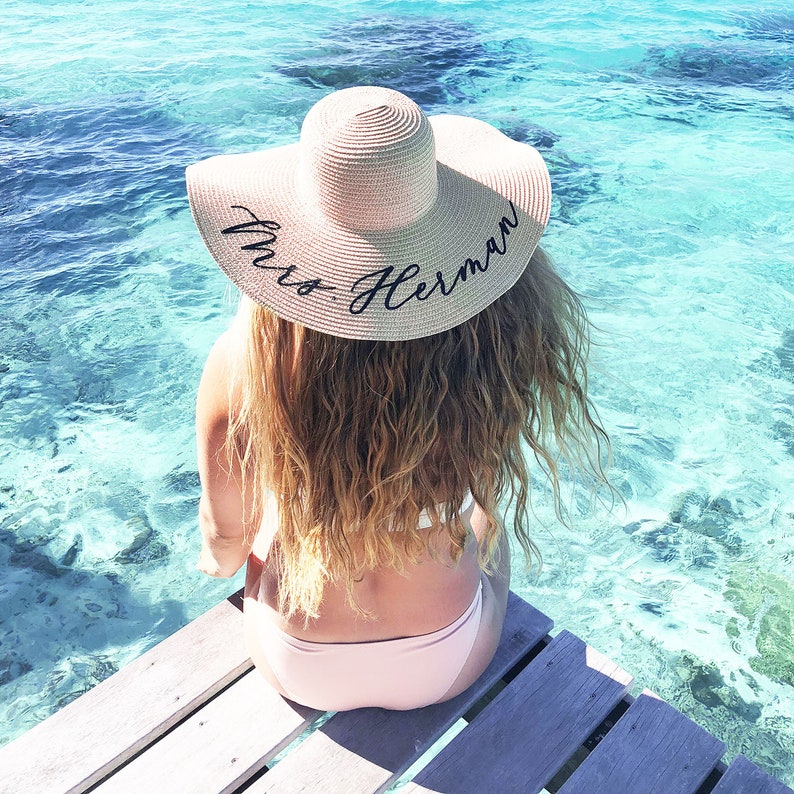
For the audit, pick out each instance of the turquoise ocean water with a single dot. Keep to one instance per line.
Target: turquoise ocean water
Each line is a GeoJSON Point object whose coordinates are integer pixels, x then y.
{"type": "Point", "coordinates": [669, 132]}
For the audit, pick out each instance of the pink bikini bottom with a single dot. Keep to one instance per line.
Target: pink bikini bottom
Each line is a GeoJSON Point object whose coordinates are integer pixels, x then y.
{"type": "Point", "coordinates": [399, 674]}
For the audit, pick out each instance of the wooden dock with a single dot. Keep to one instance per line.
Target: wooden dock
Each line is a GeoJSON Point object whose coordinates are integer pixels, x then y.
{"type": "Point", "coordinates": [191, 715]}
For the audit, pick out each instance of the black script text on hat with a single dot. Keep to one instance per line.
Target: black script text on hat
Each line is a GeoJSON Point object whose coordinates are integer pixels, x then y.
{"type": "Point", "coordinates": [268, 229]}
{"type": "Point", "coordinates": [420, 291]}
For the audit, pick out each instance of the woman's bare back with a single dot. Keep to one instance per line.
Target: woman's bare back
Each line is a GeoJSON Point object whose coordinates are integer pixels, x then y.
{"type": "Point", "coordinates": [423, 598]}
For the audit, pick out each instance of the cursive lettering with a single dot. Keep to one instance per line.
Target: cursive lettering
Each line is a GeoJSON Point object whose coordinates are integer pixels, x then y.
{"type": "Point", "coordinates": [305, 287]}
{"type": "Point", "coordinates": [397, 290]}
{"type": "Point", "coordinates": [264, 247]}
{"type": "Point", "coordinates": [266, 228]}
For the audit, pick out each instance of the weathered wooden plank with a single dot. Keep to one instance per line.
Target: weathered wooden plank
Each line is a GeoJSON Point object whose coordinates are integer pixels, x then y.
{"type": "Point", "coordinates": [95, 734]}
{"type": "Point", "coordinates": [367, 749]}
{"type": "Point", "coordinates": [522, 739]}
{"type": "Point", "coordinates": [653, 749]}
{"type": "Point", "coordinates": [744, 777]}
{"type": "Point", "coordinates": [221, 745]}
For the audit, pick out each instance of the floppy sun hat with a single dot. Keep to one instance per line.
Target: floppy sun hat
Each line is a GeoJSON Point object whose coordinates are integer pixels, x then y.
{"type": "Point", "coordinates": [380, 223]}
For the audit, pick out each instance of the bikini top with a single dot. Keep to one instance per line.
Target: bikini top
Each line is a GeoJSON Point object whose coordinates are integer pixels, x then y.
{"type": "Point", "coordinates": [269, 526]}
{"type": "Point", "coordinates": [424, 518]}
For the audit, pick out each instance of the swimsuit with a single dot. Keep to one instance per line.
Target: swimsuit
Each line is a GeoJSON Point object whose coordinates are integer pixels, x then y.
{"type": "Point", "coordinates": [424, 516]}
{"type": "Point", "coordinates": [403, 673]}
{"type": "Point", "coordinates": [400, 674]}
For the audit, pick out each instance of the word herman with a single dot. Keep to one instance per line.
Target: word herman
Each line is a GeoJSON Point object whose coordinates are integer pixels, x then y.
{"type": "Point", "coordinates": [403, 288]}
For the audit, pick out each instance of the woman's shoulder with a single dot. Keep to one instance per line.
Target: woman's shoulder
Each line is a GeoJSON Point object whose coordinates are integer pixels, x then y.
{"type": "Point", "coordinates": [219, 388]}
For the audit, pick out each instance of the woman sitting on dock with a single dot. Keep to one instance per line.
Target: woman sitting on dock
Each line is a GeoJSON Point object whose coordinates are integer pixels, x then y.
{"type": "Point", "coordinates": [401, 345]}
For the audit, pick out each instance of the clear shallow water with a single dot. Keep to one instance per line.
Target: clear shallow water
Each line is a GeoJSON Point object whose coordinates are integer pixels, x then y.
{"type": "Point", "coordinates": [669, 134]}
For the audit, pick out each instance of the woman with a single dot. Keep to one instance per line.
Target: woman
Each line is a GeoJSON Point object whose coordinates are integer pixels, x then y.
{"type": "Point", "coordinates": [400, 338]}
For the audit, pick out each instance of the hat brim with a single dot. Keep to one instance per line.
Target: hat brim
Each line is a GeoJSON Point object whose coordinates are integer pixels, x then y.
{"type": "Point", "coordinates": [493, 203]}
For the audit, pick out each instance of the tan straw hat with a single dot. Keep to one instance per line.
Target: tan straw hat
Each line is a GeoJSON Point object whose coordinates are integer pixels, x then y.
{"type": "Point", "coordinates": [381, 223]}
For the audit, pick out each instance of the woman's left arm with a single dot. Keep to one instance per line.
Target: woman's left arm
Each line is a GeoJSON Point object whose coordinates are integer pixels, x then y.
{"type": "Point", "coordinates": [224, 547]}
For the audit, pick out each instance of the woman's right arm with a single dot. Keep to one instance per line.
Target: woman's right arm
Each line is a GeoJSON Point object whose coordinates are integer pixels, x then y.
{"type": "Point", "coordinates": [225, 543]}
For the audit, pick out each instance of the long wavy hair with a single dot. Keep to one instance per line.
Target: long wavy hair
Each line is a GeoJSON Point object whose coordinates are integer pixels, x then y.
{"type": "Point", "coordinates": [356, 438]}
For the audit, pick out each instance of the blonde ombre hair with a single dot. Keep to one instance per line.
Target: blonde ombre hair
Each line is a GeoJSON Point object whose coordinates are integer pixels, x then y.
{"type": "Point", "coordinates": [356, 438]}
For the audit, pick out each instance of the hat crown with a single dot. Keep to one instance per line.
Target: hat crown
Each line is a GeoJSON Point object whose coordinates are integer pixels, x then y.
{"type": "Point", "coordinates": [368, 159]}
